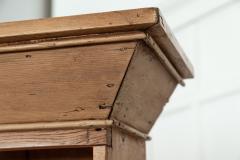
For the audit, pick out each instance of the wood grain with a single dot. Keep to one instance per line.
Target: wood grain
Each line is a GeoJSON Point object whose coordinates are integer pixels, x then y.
{"type": "Point", "coordinates": [71, 41]}
{"type": "Point", "coordinates": [52, 139]}
{"type": "Point", "coordinates": [163, 35]}
{"type": "Point", "coordinates": [138, 19]}
{"type": "Point", "coordinates": [163, 59]}
{"type": "Point", "coordinates": [76, 83]}
{"type": "Point", "coordinates": [144, 92]}
{"type": "Point", "coordinates": [99, 153]}
{"type": "Point", "coordinates": [55, 125]}
{"type": "Point", "coordinates": [126, 147]}
{"type": "Point", "coordinates": [144, 19]}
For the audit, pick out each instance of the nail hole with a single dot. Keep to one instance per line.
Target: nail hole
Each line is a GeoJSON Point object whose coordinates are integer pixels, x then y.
{"type": "Point", "coordinates": [98, 129]}
{"type": "Point", "coordinates": [110, 85]}
{"type": "Point", "coordinates": [28, 56]}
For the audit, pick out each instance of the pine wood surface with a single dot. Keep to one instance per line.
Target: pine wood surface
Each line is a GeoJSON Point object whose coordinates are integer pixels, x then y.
{"type": "Point", "coordinates": [126, 147]}
{"type": "Point", "coordinates": [147, 19]}
{"type": "Point", "coordinates": [62, 138]}
{"type": "Point", "coordinates": [100, 153]}
{"type": "Point", "coordinates": [71, 41]}
{"type": "Point", "coordinates": [62, 84]}
{"type": "Point", "coordinates": [145, 90]}
{"type": "Point", "coordinates": [81, 124]}
{"type": "Point", "coordinates": [116, 21]}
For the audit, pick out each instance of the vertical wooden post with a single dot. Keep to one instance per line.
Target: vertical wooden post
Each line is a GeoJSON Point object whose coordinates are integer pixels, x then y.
{"type": "Point", "coordinates": [126, 147]}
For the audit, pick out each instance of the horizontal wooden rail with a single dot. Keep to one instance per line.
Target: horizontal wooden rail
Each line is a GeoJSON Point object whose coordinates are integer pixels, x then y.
{"type": "Point", "coordinates": [66, 125]}
{"type": "Point", "coordinates": [71, 41]}
{"type": "Point", "coordinates": [56, 125]}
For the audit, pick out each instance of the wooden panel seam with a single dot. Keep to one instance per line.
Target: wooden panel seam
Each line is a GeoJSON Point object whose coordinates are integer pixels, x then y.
{"type": "Point", "coordinates": [126, 108]}
{"type": "Point", "coordinates": [120, 86]}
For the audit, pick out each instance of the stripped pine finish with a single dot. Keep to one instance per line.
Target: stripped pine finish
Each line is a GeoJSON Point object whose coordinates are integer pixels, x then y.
{"type": "Point", "coordinates": [126, 147]}
{"type": "Point", "coordinates": [71, 42]}
{"type": "Point", "coordinates": [64, 138]}
{"type": "Point", "coordinates": [57, 85]}
{"type": "Point", "coordinates": [117, 21]}
{"type": "Point", "coordinates": [167, 42]}
{"type": "Point", "coordinates": [86, 87]}
{"type": "Point", "coordinates": [99, 153]}
{"type": "Point", "coordinates": [83, 124]}
{"type": "Point", "coordinates": [145, 70]}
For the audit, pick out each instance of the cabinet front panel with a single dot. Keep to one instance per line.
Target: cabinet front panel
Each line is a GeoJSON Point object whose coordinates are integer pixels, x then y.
{"type": "Point", "coordinates": [62, 84]}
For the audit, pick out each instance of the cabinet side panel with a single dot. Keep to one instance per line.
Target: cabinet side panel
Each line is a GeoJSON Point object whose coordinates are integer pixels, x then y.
{"type": "Point", "coordinates": [146, 88]}
{"type": "Point", "coordinates": [126, 147]}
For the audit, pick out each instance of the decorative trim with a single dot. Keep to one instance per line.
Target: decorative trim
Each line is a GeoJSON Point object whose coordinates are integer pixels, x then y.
{"type": "Point", "coordinates": [56, 125]}
{"type": "Point", "coordinates": [130, 130]}
{"type": "Point", "coordinates": [93, 39]}
{"type": "Point", "coordinates": [164, 60]}
{"type": "Point", "coordinates": [71, 41]}
{"type": "Point", "coordinates": [85, 124]}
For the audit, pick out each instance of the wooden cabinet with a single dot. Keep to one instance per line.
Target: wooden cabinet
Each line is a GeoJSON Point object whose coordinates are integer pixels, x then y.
{"type": "Point", "coordinates": [86, 87]}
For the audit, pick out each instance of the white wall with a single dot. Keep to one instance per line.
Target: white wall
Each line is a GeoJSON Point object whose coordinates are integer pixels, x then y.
{"type": "Point", "coordinates": [11, 10]}
{"type": "Point", "coordinates": [62, 7]}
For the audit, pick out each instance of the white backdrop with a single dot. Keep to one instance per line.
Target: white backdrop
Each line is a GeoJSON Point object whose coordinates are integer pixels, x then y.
{"type": "Point", "coordinates": [12, 10]}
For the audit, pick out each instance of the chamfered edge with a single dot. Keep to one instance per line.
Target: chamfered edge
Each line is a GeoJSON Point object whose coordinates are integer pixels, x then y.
{"type": "Point", "coordinates": [164, 37]}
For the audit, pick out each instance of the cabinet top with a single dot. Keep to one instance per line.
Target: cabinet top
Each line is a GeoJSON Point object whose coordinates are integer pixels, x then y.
{"type": "Point", "coordinates": [148, 20]}
{"type": "Point", "coordinates": [96, 23]}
